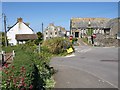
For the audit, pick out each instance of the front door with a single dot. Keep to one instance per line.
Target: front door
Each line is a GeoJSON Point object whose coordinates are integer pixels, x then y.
{"type": "Point", "coordinates": [76, 34]}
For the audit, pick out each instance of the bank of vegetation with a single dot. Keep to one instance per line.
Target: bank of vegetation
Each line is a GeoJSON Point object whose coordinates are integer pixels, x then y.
{"type": "Point", "coordinates": [31, 70]}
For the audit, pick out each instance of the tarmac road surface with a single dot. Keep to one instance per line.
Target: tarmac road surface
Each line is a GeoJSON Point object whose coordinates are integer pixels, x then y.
{"type": "Point", "coordinates": [88, 67]}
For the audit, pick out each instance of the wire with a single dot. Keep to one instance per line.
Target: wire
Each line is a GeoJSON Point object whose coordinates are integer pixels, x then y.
{"type": "Point", "coordinates": [7, 21]}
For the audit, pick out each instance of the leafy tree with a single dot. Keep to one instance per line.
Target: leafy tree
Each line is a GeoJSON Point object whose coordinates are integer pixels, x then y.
{"type": "Point", "coordinates": [2, 36]}
{"type": "Point", "coordinates": [40, 35]}
{"type": "Point", "coordinates": [90, 32]}
{"type": "Point", "coordinates": [40, 38]}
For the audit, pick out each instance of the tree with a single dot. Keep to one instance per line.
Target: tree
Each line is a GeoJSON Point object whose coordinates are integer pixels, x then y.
{"type": "Point", "coordinates": [90, 32]}
{"type": "Point", "coordinates": [2, 38]}
{"type": "Point", "coordinates": [40, 38]}
{"type": "Point", "coordinates": [40, 35]}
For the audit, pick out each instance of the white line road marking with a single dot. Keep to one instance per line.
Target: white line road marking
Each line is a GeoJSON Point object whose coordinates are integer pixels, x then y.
{"type": "Point", "coordinates": [106, 47]}
{"type": "Point", "coordinates": [75, 48]}
{"type": "Point", "coordinates": [109, 47]}
{"type": "Point", "coordinates": [72, 55]}
{"type": "Point", "coordinates": [87, 50]}
{"type": "Point", "coordinates": [84, 50]}
{"type": "Point", "coordinates": [68, 82]}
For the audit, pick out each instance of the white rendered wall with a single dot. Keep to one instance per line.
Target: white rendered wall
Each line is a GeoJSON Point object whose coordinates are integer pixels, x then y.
{"type": "Point", "coordinates": [19, 28]}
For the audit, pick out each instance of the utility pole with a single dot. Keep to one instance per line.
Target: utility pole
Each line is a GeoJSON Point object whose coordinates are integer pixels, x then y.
{"type": "Point", "coordinates": [70, 27]}
{"type": "Point", "coordinates": [5, 30]}
{"type": "Point", "coordinates": [42, 30]}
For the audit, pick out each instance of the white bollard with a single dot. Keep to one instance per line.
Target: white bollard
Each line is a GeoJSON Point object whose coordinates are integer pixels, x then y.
{"type": "Point", "coordinates": [13, 53]}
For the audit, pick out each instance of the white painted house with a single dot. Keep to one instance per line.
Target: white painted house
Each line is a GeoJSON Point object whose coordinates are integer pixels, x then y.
{"type": "Point", "coordinates": [22, 30]}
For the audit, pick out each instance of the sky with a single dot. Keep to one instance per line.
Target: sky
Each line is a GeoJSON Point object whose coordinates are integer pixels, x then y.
{"type": "Point", "coordinates": [58, 13]}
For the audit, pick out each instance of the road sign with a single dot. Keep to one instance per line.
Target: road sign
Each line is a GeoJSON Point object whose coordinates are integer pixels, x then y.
{"type": "Point", "coordinates": [71, 37]}
{"type": "Point", "coordinates": [94, 35]}
{"type": "Point", "coordinates": [71, 41]}
{"type": "Point", "coordinates": [69, 50]}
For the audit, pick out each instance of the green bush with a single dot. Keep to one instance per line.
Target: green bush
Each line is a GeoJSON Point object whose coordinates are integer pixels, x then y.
{"type": "Point", "coordinates": [20, 74]}
{"type": "Point", "coordinates": [57, 45]}
{"type": "Point", "coordinates": [28, 70]}
{"type": "Point", "coordinates": [75, 39]}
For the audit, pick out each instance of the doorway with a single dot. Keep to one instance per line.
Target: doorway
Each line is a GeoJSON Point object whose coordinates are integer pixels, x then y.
{"type": "Point", "coordinates": [76, 34]}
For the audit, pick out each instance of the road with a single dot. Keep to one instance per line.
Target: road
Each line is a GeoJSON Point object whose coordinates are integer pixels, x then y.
{"type": "Point", "coordinates": [88, 67]}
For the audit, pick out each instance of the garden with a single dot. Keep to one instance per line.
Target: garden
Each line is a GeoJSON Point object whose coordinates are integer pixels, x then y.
{"type": "Point", "coordinates": [31, 70]}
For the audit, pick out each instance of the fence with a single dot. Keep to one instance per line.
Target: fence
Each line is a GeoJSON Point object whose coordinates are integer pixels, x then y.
{"type": "Point", "coordinates": [7, 57]}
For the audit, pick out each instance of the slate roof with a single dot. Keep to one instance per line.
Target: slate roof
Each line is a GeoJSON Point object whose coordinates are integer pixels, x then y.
{"type": "Point", "coordinates": [18, 22]}
{"type": "Point", "coordinates": [95, 23]}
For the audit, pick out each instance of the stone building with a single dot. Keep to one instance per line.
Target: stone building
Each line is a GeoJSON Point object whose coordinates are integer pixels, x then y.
{"type": "Point", "coordinates": [54, 31]}
{"type": "Point", "coordinates": [79, 27]}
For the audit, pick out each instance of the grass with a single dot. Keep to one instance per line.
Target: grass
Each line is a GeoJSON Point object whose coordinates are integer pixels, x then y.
{"type": "Point", "coordinates": [86, 41]}
{"type": "Point", "coordinates": [38, 72]}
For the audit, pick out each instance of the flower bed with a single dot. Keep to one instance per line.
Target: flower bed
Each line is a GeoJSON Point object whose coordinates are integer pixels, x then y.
{"type": "Point", "coordinates": [19, 75]}
{"type": "Point", "coordinates": [28, 71]}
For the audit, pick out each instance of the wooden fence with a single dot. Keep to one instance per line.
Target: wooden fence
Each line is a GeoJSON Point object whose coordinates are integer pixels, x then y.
{"type": "Point", "coordinates": [7, 57]}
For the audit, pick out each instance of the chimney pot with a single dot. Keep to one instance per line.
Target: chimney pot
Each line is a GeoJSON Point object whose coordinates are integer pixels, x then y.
{"type": "Point", "coordinates": [51, 24]}
{"type": "Point", "coordinates": [19, 20]}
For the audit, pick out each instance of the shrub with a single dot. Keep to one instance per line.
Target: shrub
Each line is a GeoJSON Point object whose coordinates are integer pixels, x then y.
{"type": "Point", "coordinates": [75, 39]}
{"type": "Point", "coordinates": [15, 79]}
{"type": "Point", "coordinates": [57, 45]}
{"type": "Point", "coordinates": [20, 74]}
{"type": "Point", "coordinates": [28, 70]}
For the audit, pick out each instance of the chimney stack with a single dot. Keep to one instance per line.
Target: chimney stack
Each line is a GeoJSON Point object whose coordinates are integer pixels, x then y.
{"type": "Point", "coordinates": [19, 19]}
{"type": "Point", "coordinates": [51, 24]}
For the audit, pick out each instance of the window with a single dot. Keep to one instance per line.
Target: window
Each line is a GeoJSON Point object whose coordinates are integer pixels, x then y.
{"type": "Point", "coordinates": [46, 33]}
{"type": "Point", "coordinates": [51, 33]}
{"type": "Point", "coordinates": [55, 33]}
{"type": "Point", "coordinates": [11, 44]}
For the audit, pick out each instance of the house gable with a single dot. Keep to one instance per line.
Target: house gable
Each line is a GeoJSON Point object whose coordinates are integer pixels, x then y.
{"type": "Point", "coordinates": [16, 24]}
{"type": "Point", "coordinates": [18, 28]}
